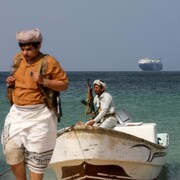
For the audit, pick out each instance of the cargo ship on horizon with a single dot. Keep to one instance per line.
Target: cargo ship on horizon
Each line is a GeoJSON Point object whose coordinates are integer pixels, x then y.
{"type": "Point", "coordinates": [147, 64]}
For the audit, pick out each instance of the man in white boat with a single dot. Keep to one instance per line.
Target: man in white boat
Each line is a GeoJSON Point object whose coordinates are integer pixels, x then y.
{"type": "Point", "coordinates": [30, 128]}
{"type": "Point", "coordinates": [106, 117]}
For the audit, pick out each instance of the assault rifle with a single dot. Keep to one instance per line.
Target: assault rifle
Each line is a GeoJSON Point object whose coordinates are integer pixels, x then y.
{"type": "Point", "coordinates": [90, 109]}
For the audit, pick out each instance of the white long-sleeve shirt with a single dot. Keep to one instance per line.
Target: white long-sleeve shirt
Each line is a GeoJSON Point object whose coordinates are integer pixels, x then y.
{"type": "Point", "coordinates": [106, 105]}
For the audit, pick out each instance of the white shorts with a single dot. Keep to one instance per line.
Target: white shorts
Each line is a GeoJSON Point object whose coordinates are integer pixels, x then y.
{"type": "Point", "coordinates": [32, 132]}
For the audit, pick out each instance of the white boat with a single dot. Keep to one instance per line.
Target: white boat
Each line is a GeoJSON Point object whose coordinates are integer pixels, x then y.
{"type": "Point", "coordinates": [130, 151]}
{"type": "Point", "coordinates": [147, 64]}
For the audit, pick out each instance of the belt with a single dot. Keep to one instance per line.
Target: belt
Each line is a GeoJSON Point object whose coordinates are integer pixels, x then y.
{"type": "Point", "coordinates": [109, 115]}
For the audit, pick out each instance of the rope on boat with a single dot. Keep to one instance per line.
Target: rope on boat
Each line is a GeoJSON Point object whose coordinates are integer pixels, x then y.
{"type": "Point", "coordinates": [62, 131]}
{"type": "Point", "coordinates": [4, 172]}
{"type": "Point", "coordinates": [79, 144]}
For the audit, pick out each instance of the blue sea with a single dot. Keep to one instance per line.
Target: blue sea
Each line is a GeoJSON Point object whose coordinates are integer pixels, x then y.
{"type": "Point", "coordinates": [147, 96]}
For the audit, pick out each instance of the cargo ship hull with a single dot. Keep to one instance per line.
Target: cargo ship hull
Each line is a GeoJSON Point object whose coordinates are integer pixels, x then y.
{"type": "Point", "coordinates": [150, 65]}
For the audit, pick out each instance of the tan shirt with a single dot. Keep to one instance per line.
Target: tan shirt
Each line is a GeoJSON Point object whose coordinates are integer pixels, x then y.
{"type": "Point", "coordinates": [26, 91]}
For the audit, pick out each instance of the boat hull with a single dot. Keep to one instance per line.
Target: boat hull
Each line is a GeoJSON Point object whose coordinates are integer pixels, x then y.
{"type": "Point", "coordinates": [93, 153]}
{"type": "Point", "coordinates": [150, 67]}
{"type": "Point", "coordinates": [147, 64]}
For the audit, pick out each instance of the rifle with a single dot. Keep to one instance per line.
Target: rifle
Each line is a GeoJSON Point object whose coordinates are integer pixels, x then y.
{"type": "Point", "coordinates": [52, 100]}
{"type": "Point", "coordinates": [90, 109]}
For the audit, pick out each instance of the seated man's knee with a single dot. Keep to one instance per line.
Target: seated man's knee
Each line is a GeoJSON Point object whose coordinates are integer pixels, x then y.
{"type": "Point", "coordinates": [109, 123]}
{"type": "Point", "coordinates": [13, 153]}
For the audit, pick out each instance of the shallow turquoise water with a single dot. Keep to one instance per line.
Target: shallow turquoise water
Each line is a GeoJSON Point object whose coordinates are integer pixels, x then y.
{"type": "Point", "coordinates": [148, 97]}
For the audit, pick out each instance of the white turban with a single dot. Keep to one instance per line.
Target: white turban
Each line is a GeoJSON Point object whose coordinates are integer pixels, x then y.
{"type": "Point", "coordinates": [100, 83]}
{"type": "Point", "coordinates": [29, 36]}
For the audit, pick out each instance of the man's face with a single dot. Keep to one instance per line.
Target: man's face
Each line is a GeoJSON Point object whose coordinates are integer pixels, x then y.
{"type": "Point", "coordinates": [98, 89]}
{"type": "Point", "coordinates": [30, 52]}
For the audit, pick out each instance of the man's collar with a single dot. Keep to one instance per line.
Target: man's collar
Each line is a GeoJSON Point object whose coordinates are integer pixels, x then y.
{"type": "Point", "coordinates": [102, 95]}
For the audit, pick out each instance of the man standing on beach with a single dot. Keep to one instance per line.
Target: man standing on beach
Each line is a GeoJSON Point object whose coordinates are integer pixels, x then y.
{"type": "Point", "coordinates": [30, 128]}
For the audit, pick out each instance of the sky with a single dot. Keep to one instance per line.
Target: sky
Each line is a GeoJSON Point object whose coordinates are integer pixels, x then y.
{"type": "Point", "coordinates": [95, 35]}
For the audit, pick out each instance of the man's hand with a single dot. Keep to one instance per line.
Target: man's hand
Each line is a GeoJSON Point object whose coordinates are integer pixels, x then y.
{"type": "Point", "coordinates": [10, 81]}
{"type": "Point", "coordinates": [90, 122]}
{"type": "Point", "coordinates": [37, 77]}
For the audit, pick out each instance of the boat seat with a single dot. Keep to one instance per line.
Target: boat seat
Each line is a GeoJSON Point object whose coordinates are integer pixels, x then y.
{"type": "Point", "coordinates": [147, 131]}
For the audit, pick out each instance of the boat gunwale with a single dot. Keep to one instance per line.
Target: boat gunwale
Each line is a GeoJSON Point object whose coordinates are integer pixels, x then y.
{"type": "Point", "coordinates": [98, 130]}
